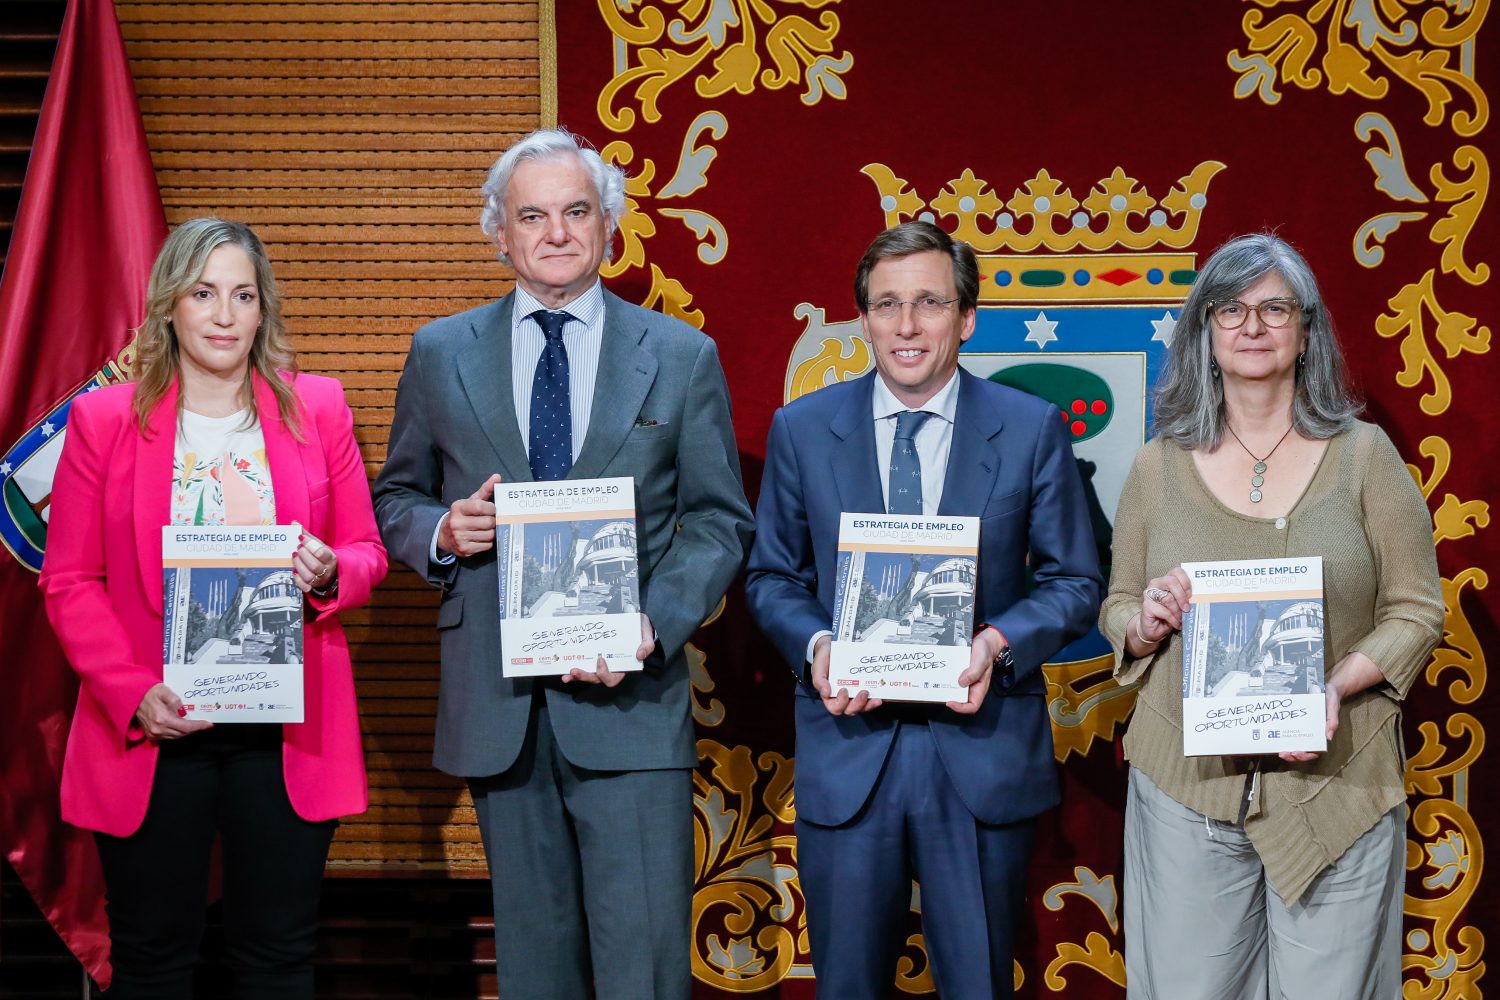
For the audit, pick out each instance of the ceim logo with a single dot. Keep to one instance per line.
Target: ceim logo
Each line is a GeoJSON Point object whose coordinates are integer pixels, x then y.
{"type": "Point", "coordinates": [27, 468]}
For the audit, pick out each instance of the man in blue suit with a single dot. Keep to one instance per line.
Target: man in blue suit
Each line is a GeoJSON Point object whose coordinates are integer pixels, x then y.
{"type": "Point", "coordinates": [944, 794]}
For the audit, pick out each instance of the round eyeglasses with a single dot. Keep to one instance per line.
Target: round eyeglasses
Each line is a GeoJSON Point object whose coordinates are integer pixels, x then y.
{"type": "Point", "coordinates": [926, 307]}
{"type": "Point", "coordinates": [1274, 313]}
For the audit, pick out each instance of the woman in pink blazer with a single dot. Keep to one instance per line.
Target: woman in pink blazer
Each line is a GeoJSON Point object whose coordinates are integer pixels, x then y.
{"type": "Point", "coordinates": [218, 428]}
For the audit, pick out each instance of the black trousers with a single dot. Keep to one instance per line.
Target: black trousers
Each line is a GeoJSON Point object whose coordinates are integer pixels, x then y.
{"type": "Point", "coordinates": [225, 782]}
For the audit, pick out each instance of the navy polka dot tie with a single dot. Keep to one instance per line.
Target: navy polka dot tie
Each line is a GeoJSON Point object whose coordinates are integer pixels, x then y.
{"type": "Point", "coordinates": [904, 488]}
{"type": "Point", "coordinates": [550, 447]}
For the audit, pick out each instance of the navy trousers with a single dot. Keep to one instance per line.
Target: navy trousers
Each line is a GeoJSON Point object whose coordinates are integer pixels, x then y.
{"type": "Point", "coordinates": [857, 879]}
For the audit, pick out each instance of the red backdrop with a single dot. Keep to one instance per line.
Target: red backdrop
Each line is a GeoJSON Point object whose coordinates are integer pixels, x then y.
{"type": "Point", "coordinates": [769, 140]}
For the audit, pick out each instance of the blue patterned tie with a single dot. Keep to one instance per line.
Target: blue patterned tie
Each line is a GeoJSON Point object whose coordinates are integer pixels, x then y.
{"type": "Point", "coordinates": [904, 488]}
{"type": "Point", "coordinates": [550, 447]}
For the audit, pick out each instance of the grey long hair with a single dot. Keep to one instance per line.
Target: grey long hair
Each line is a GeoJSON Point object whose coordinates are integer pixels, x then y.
{"type": "Point", "coordinates": [1189, 400]}
{"type": "Point", "coordinates": [547, 144]}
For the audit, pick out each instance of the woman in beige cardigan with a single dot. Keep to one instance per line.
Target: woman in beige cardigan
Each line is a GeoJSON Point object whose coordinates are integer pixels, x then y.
{"type": "Point", "coordinates": [1254, 876]}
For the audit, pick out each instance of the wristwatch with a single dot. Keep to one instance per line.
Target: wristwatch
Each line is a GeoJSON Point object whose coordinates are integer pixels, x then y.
{"type": "Point", "coordinates": [1004, 666]}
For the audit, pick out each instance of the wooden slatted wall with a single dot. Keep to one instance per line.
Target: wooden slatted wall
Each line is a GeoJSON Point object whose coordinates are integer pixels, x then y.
{"type": "Point", "coordinates": [354, 138]}
{"type": "Point", "coordinates": [28, 36]}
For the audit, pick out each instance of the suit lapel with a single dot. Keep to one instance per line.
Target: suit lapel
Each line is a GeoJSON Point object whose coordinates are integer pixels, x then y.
{"type": "Point", "coordinates": [626, 372]}
{"type": "Point", "coordinates": [484, 372]}
{"type": "Point", "coordinates": [973, 455]}
{"type": "Point", "coordinates": [856, 473]}
{"type": "Point", "coordinates": [288, 475]}
{"type": "Point", "coordinates": [152, 494]}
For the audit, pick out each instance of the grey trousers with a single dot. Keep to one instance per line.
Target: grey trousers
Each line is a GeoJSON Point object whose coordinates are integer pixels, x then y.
{"type": "Point", "coordinates": [1202, 921]}
{"type": "Point", "coordinates": [592, 873]}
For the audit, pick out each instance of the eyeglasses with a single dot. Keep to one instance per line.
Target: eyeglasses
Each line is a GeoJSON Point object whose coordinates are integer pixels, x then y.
{"type": "Point", "coordinates": [1274, 313]}
{"type": "Point", "coordinates": [927, 307]}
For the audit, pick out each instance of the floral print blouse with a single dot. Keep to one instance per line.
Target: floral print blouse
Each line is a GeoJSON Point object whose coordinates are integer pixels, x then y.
{"type": "Point", "coordinates": [219, 472]}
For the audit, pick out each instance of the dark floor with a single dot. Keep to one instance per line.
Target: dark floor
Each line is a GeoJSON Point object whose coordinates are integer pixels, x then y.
{"type": "Point", "coordinates": [421, 937]}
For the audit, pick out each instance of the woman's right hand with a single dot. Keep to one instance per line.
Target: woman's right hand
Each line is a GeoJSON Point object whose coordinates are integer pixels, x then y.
{"type": "Point", "coordinates": [1163, 601]}
{"type": "Point", "coordinates": [160, 716]}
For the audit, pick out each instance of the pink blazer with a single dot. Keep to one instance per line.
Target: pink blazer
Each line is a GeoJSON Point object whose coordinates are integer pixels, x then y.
{"type": "Point", "coordinates": [102, 580]}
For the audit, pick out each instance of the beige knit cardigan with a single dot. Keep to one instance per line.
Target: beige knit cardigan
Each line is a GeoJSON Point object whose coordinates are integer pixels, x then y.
{"type": "Point", "coordinates": [1365, 516]}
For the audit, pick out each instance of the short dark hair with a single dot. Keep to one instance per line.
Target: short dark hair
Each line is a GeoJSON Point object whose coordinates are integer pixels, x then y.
{"type": "Point", "coordinates": [920, 237]}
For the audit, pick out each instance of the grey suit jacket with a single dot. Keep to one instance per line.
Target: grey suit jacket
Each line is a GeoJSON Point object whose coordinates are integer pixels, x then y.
{"type": "Point", "coordinates": [660, 416]}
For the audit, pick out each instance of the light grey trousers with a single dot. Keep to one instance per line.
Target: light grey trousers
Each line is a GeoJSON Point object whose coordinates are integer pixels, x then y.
{"type": "Point", "coordinates": [1202, 921]}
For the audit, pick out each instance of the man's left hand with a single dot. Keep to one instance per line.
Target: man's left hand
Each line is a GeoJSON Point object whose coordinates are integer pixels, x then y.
{"type": "Point", "coordinates": [982, 656]}
{"type": "Point", "coordinates": [610, 678]}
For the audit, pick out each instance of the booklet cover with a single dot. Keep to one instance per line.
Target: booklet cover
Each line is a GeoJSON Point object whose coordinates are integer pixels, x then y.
{"type": "Point", "coordinates": [232, 622]}
{"type": "Point", "coordinates": [569, 578]}
{"type": "Point", "coordinates": [903, 613]}
{"type": "Point", "coordinates": [1252, 657]}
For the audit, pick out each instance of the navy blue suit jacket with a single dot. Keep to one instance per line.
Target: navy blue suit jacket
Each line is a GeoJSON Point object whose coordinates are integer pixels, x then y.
{"type": "Point", "coordinates": [1011, 464]}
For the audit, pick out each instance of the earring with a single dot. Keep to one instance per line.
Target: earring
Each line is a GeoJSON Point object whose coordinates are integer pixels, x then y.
{"type": "Point", "coordinates": [1301, 362]}
{"type": "Point", "coordinates": [1213, 368]}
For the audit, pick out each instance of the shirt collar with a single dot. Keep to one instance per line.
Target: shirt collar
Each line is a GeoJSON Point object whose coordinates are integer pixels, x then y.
{"type": "Point", "coordinates": [586, 308]}
{"type": "Point", "coordinates": [943, 404]}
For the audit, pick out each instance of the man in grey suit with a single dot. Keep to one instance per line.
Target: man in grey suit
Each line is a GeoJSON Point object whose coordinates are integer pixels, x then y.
{"type": "Point", "coordinates": [582, 784]}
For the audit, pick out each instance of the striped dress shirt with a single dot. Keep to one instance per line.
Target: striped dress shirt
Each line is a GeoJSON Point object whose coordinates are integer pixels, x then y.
{"type": "Point", "coordinates": [582, 337]}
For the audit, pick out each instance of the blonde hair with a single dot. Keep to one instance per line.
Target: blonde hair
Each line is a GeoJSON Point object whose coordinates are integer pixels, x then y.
{"type": "Point", "coordinates": [177, 269]}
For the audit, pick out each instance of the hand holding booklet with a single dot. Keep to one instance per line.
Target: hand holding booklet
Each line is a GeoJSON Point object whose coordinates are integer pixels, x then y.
{"type": "Point", "coordinates": [904, 606]}
{"type": "Point", "coordinates": [1252, 657]}
{"type": "Point", "coordinates": [232, 645]}
{"type": "Point", "coordinates": [569, 577]}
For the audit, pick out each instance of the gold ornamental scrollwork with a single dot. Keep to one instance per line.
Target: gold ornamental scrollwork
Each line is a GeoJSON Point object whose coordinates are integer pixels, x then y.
{"type": "Point", "coordinates": [1360, 47]}
{"type": "Point", "coordinates": [748, 917]}
{"type": "Point", "coordinates": [1451, 862]}
{"type": "Point", "coordinates": [1085, 704]}
{"type": "Point", "coordinates": [1430, 766]}
{"type": "Point", "coordinates": [1461, 649]}
{"type": "Point", "coordinates": [1466, 197]}
{"type": "Point", "coordinates": [1097, 953]}
{"type": "Point", "coordinates": [707, 710]}
{"type": "Point", "coordinates": [636, 226]}
{"type": "Point", "coordinates": [731, 46]}
{"type": "Point", "coordinates": [1411, 311]}
{"type": "Point", "coordinates": [1454, 518]}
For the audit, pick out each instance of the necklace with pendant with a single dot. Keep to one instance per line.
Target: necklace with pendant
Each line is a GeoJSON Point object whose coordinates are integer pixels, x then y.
{"type": "Point", "coordinates": [1259, 478]}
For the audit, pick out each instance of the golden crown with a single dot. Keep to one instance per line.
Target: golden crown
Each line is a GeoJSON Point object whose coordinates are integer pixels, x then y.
{"type": "Point", "coordinates": [1042, 214]}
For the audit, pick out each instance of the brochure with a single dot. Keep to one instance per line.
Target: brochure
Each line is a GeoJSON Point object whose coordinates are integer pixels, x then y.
{"type": "Point", "coordinates": [232, 646]}
{"type": "Point", "coordinates": [904, 606]}
{"type": "Point", "coordinates": [1252, 657]}
{"type": "Point", "coordinates": [569, 577]}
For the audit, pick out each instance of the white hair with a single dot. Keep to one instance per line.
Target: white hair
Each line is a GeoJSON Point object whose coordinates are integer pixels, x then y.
{"type": "Point", "coordinates": [548, 144]}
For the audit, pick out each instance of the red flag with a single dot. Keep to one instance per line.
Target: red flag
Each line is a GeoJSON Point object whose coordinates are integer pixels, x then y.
{"type": "Point", "coordinates": [73, 290]}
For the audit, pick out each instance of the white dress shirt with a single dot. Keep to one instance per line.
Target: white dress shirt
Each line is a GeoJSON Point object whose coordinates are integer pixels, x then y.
{"type": "Point", "coordinates": [933, 441]}
{"type": "Point", "coordinates": [582, 337]}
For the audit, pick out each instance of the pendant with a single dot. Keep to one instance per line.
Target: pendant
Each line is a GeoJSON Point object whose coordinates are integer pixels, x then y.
{"type": "Point", "coordinates": [1257, 481]}
{"type": "Point", "coordinates": [1255, 496]}
{"type": "Point", "coordinates": [1260, 468]}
